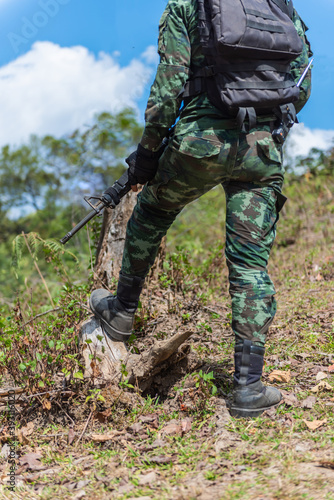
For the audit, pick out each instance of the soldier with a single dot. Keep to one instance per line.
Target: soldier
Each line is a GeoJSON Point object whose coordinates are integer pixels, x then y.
{"type": "Point", "coordinates": [211, 143]}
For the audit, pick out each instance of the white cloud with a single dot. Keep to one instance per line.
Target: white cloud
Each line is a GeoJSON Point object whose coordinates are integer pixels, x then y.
{"type": "Point", "coordinates": [151, 55]}
{"type": "Point", "coordinates": [302, 139]}
{"type": "Point", "coordinates": [54, 90]}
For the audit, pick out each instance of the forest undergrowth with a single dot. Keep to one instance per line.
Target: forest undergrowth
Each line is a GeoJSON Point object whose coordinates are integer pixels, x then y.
{"type": "Point", "coordinates": [71, 439]}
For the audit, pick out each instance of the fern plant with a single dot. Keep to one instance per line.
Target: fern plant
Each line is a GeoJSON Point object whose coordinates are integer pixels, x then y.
{"type": "Point", "coordinates": [35, 244]}
{"type": "Point", "coordinates": [53, 252]}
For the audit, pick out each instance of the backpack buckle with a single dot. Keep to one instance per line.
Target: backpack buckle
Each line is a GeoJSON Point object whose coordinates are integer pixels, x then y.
{"type": "Point", "coordinates": [209, 71]}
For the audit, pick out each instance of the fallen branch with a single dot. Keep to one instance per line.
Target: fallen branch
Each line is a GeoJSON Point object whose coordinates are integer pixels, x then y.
{"type": "Point", "coordinates": [11, 390]}
{"type": "Point", "coordinates": [84, 429]}
{"type": "Point", "coordinates": [161, 351]}
{"type": "Point", "coordinates": [41, 314]}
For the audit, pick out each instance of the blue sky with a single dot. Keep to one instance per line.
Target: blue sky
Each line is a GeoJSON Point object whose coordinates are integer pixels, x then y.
{"type": "Point", "coordinates": [63, 60]}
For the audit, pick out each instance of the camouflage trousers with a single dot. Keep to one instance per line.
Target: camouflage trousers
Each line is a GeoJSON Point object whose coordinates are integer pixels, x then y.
{"type": "Point", "coordinates": [249, 167]}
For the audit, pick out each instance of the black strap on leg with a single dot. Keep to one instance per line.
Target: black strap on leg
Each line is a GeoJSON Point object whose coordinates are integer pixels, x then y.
{"type": "Point", "coordinates": [248, 362]}
{"type": "Point", "coordinates": [245, 362]}
{"type": "Point", "coordinates": [129, 289]}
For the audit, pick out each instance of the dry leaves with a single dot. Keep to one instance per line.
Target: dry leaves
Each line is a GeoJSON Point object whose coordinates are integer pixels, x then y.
{"type": "Point", "coordinates": [32, 461]}
{"type": "Point", "coordinates": [25, 432]}
{"type": "Point", "coordinates": [102, 438]}
{"type": "Point", "coordinates": [290, 400]}
{"type": "Point", "coordinates": [308, 402]}
{"type": "Point", "coordinates": [325, 386]}
{"type": "Point", "coordinates": [321, 376]}
{"type": "Point", "coordinates": [327, 464]}
{"type": "Point", "coordinates": [177, 428]}
{"type": "Point", "coordinates": [71, 435]}
{"type": "Point", "coordinates": [280, 376]}
{"type": "Point", "coordinates": [315, 424]}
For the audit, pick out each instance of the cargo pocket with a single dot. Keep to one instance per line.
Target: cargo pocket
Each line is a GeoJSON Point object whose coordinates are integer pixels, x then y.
{"type": "Point", "coordinates": [267, 149]}
{"type": "Point", "coordinates": [196, 146]}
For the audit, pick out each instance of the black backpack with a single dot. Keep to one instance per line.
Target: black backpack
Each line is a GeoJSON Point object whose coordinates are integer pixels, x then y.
{"type": "Point", "coordinates": [248, 47]}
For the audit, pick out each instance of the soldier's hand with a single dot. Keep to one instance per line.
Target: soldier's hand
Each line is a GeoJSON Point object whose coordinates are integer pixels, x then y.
{"type": "Point", "coordinates": [143, 165]}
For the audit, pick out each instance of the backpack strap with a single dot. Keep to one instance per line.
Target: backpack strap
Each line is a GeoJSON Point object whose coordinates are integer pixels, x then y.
{"type": "Point", "coordinates": [286, 8]}
{"type": "Point", "coordinates": [242, 115]}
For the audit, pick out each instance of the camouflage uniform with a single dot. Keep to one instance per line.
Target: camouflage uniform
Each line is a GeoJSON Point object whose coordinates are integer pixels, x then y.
{"type": "Point", "coordinates": [207, 149]}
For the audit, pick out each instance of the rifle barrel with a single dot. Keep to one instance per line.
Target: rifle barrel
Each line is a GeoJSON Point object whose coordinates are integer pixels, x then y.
{"type": "Point", "coordinates": [77, 228]}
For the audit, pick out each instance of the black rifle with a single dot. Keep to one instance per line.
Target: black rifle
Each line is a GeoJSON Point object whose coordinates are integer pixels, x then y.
{"type": "Point", "coordinates": [109, 199]}
{"type": "Point", "coordinates": [287, 115]}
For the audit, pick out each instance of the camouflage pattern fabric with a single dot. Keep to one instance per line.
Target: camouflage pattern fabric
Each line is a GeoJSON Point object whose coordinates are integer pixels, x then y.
{"type": "Point", "coordinates": [249, 168]}
{"type": "Point", "coordinates": [180, 54]}
{"type": "Point", "coordinates": [206, 149]}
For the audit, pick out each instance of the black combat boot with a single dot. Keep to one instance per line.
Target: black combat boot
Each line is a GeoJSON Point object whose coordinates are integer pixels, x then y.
{"type": "Point", "coordinates": [250, 396]}
{"type": "Point", "coordinates": [117, 312]}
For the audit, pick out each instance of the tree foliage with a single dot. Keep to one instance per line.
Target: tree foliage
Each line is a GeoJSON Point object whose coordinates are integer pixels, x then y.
{"type": "Point", "coordinates": [50, 172]}
{"type": "Point", "coordinates": [42, 184]}
{"type": "Point", "coordinates": [318, 162]}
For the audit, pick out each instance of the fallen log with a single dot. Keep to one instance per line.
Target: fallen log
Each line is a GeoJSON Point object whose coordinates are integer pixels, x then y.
{"type": "Point", "coordinates": [143, 368]}
{"type": "Point", "coordinates": [105, 359]}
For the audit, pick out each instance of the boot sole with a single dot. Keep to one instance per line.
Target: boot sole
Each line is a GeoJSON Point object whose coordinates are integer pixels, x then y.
{"type": "Point", "coordinates": [250, 412]}
{"type": "Point", "coordinates": [112, 332]}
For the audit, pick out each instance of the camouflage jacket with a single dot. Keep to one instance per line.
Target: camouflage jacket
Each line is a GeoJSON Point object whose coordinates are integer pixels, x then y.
{"type": "Point", "coordinates": [180, 54]}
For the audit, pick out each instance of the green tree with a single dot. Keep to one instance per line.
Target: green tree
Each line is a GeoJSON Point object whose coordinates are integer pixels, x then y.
{"type": "Point", "coordinates": [24, 179]}
{"type": "Point", "coordinates": [94, 158]}
{"type": "Point", "coordinates": [42, 184]}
